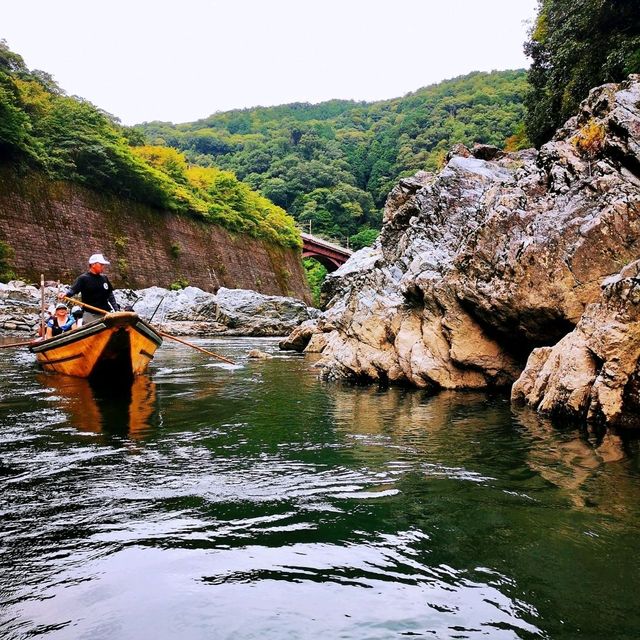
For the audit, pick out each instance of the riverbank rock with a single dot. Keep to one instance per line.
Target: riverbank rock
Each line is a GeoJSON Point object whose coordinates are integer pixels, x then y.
{"type": "Point", "coordinates": [189, 311]}
{"type": "Point", "coordinates": [259, 315]}
{"type": "Point", "coordinates": [256, 354]}
{"type": "Point", "coordinates": [239, 312]}
{"type": "Point", "coordinates": [20, 307]}
{"type": "Point", "coordinates": [593, 373]}
{"type": "Point", "coordinates": [496, 255]}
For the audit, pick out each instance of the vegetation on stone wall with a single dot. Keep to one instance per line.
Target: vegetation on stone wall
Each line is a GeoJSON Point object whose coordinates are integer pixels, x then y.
{"type": "Point", "coordinates": [71, 139]}
{"type": "Point", "coordinates": [6, 256]}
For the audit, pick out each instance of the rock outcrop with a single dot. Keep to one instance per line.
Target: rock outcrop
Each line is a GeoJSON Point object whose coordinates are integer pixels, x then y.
{"type": "Point", "coordinates": [189, 311]}
{"type": "Point", "coordinates": [592, 373]}
{"type": "Point", "coordinates": [498, 254]}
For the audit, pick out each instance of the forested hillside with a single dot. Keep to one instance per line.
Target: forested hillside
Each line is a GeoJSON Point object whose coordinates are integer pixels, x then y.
{"type": "Point", "coordinates": [70, 139]}
{"type": "Point", "coordinates": [332, 164]}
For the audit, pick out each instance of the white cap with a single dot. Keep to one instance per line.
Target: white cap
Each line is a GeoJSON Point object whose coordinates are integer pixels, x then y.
{"type": "Point", "coordinates": [98, 257]}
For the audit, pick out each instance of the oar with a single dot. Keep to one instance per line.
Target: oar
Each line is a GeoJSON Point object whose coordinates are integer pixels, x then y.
{"type": "Point", "coordinates": [17, 344]}
{"type": "Point", "coordinates": [87, 306]}
{"type": "Point", "coordinates": [162, 333]}
{"type": "Point", "coordinates": [156, 309]}
{"type": "Point", "coordinates": [193, 346]}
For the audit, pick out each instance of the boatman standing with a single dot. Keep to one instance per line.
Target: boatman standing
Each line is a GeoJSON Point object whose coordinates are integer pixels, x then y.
{"type": "Point", "coordinates": [95, 289]}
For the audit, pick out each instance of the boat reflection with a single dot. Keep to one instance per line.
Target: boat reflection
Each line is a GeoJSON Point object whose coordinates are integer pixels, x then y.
{"type": "Point", "coordinates": [122, 408]}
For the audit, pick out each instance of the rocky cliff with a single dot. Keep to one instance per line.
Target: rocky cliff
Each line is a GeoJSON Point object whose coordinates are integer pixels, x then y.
{"type": "Point", "coordinates": [495, 256]}
{"type": "Point", "coordinates": [53, 227]}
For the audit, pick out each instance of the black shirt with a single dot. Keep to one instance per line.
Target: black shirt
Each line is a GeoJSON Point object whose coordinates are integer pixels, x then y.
{"type": "Point", "coordinates": [95, 290]}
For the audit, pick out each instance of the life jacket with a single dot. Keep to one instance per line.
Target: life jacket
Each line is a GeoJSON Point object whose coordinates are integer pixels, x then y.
{"type": "Point", "coordinates": [56, 329]}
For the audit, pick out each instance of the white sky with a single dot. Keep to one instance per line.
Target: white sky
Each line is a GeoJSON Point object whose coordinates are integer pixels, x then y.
{"type": "Point", "coordinates": [183, 60]}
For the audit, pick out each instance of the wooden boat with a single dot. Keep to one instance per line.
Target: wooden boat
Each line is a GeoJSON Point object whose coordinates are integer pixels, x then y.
{"type": "Point", "coordinates": [119, 345]}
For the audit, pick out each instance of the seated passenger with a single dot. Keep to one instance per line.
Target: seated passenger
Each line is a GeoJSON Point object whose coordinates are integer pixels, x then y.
{"type": "Point", "coordinates": [60, 321]}
{"type": "Point", "coordinates": [77, 314]}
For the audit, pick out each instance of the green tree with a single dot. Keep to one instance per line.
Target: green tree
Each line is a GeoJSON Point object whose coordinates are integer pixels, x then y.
{"type": "Point", "coordinates": [364, 238]}
{"type": "Point", "coordinates": [576, 45]}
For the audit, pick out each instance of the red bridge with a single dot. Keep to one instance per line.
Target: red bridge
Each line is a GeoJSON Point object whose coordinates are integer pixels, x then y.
{"type": "Point", "coordinates": [328, 254]}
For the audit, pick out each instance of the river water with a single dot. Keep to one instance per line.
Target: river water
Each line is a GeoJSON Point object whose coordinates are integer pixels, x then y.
{"type": "Point", "coordinates": [210, 501]}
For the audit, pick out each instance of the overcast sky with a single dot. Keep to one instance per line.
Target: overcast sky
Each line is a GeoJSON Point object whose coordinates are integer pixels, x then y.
{"type": "Point", "coordinates": [182, 60]}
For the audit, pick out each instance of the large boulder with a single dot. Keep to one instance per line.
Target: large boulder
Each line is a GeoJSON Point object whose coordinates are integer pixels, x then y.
{"type": "Point", "coordinates": [192, 311]}
{"type": "Point", "coordinates": [188, 311]}
{"type": "Point", "coordinates": [593, 373]}
{"type": "Point", "coordinates": [496, 255]}
{"type": "Point", "coordinates": [255, 314]}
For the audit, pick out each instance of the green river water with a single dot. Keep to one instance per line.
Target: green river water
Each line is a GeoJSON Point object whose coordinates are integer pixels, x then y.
{"type": "Point", "coordinates": [209, 501]}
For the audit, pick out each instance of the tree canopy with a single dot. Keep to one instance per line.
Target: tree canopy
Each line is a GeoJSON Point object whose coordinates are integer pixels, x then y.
{"type": "Point", "coordinates": [71, 139]}
{"type": "Point", "coordinates": [331, 165]}
{"type": "Point", "coordinates": [576, 45]}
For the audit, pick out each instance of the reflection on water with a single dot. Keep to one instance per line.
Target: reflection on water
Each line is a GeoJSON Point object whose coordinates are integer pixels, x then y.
{"type": "Point", "coordinates": [123, 407]}
{"type": "Point", "coordinates": [212, 501]}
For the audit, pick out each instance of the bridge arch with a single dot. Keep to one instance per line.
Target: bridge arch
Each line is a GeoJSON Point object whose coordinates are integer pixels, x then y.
{"type": "Point", "coordinates": [328, 263]}
{"type": "Point", "coordinates": [330, 255]}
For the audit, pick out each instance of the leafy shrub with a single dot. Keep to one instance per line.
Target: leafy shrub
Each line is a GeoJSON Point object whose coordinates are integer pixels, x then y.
{"type": "Point", "coordinates": [589, 140]}
{"type": "Point", "coordinates": [6, 256]}
{"type": "Point", "coordinates": [180, 283]}
{"type": "Point", "coordinates": [316, 273]}
{"type": "Point", "coordinates": [364, 238]}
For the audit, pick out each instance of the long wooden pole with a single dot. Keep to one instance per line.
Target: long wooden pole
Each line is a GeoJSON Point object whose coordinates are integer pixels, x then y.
{"type": "Point", "coordinates": [162, 333]}
{"type": "Point", "coordinates": [193, 346]}
{"type": "Point", "coordinates": [86, 306]}
{"type": "Point", "coordinates": [42, 330]}
{"type": "Point", "coordinates": [17, 344]}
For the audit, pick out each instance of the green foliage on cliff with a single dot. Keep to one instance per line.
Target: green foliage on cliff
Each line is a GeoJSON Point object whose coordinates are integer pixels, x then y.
{"type": "Point", "coordinates": [6, 256]}
{"type": "Point", "coordinates": [71, 139]}
{"type": "Point", "coordinates": [332, 164]}
{"type": "Point", "coordinates": [316, 273]}
{"type": "Point", "coordinates": [576, 45]}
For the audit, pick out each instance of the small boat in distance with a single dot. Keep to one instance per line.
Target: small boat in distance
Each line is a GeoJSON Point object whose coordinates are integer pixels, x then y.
{"type": "Point", "coordinates": [119, 345]}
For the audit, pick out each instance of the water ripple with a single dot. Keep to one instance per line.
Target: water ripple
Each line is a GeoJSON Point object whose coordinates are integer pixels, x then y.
{"type": "Point", "coordinates": [257, 502]}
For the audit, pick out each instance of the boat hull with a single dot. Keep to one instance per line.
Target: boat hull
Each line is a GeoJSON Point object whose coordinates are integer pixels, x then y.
{"type": "Point", "coordinates": [119, 344]}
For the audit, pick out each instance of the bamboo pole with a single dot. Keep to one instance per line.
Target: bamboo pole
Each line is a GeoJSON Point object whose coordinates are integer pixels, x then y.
{"type": "Point", "coordinates": [162, 333]}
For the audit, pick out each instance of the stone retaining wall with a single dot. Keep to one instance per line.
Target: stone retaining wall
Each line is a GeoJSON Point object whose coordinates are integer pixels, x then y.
{"type": "Point", "coordinates": [53, 227]}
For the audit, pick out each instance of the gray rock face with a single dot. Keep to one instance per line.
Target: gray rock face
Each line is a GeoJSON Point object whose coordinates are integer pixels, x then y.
{"type": "Point", "coordinates": [494, 256]}
{"type": "Point", "coordinates": [20, 307]}
{"type": "Point", "coordinates": [259, 315]}
{"type": "Point", "coordinates": [192, 311]}
{"type": "Point", "coordinates": [189, 311]}
{"type": "Point", "coordinates": [593, 373]}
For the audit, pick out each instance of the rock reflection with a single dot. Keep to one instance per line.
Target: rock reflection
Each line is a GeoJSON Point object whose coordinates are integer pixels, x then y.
{"type": "Point", "coordinates": [449, 423]}
{"type": "Point", "coordinates": [571, 459]}
{"type": "Point", "coordinates": [374, 410]}
{"type": "Point", "coordinates": [122, 408]}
